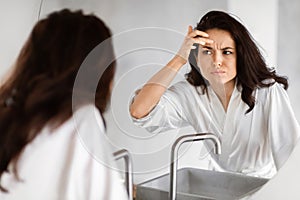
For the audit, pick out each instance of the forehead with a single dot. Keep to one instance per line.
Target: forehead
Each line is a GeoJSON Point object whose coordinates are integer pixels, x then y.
{"type": "Point", "coordinates": [221, 37]}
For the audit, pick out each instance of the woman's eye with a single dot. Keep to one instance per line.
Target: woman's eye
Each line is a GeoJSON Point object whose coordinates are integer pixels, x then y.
{"type": "Point", "coordinates": [206, 52]}
{"type": "Point", "coordinates": [227, 52]}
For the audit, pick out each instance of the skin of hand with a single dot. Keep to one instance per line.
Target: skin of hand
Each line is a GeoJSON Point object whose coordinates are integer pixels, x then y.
{"type": "Point", "coordinates": [148, 97]}
{"type": "Point", "coordinates": [192, 37]}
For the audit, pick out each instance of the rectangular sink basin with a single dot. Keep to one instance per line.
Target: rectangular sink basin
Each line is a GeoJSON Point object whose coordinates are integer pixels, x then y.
{"type": "Point", "coordinates": [199, 184]}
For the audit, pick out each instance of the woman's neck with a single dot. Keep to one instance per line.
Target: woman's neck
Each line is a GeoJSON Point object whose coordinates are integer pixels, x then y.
{"type": "Point", "coordinates": [224, 92]}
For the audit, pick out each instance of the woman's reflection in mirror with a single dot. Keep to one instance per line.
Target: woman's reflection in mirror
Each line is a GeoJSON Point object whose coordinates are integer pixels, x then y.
{"type": "Point", "coordinates": [230, 91]}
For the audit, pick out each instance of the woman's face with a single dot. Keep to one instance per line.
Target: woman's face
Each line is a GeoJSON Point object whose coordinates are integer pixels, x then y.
{"type": "Point", "coordinates": [217, 61]}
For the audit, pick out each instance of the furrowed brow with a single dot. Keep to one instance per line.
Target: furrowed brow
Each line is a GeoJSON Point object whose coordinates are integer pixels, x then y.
{"type": "Point", "coordinates": [207, 47]}
{"type": "Point", "coordinates": [227, 48]}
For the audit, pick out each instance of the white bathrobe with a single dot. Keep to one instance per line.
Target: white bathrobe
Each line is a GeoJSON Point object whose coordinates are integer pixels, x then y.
{"type": "Point", "coordinates": [73, 162]}
{"type": "Point", "coordinates": [256, 144]}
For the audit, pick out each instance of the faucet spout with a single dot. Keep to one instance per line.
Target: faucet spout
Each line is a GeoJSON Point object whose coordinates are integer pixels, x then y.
{"type": "Point", "coordinates": [123, 153]}
{"type": "Point", "coordinates": [174, 154]}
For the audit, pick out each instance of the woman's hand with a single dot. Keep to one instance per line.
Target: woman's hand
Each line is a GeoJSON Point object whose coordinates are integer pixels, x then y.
{"type": "Point", "coordinates": [192, 37]}
{"type": "Point", "coordinates": [149, 96]}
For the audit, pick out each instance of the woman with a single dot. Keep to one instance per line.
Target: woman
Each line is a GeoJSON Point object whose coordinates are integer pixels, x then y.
{"type": "Point", "coordinates": [230, 92]}
{"type": "Point", "coordinates": [52, 132]}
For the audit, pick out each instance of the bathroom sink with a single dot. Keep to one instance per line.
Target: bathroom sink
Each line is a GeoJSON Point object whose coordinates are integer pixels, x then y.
{"type": "Point", "coordinates": [200, 184]}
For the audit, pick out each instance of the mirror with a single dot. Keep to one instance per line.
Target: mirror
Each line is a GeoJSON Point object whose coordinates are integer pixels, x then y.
{"type": "Point", "coordinates": [146, 36]}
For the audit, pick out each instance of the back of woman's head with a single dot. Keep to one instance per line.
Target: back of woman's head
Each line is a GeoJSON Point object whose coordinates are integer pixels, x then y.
{"type": "Point", "coordinates": [39, 91]}
{"type": "Point", "coordinates": [251, 67]}
{"type": "Point", "coordinates": [54, 52]}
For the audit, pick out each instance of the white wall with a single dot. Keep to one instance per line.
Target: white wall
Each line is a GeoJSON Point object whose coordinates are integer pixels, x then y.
{"type": "Point", "coordinates": [288, 45]}
{"type": "Point", "coordinates": [16, 21]}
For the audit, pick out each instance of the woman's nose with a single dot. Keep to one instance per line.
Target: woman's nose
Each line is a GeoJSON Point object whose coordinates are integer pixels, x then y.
{"type": "Point", "coordinates": [217, 60]}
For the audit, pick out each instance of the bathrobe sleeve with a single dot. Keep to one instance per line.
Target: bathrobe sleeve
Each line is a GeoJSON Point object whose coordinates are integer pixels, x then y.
{"type": "Point", "coordinates": [283, 127]}
{"type": "Point", "coordinates": [168, 113]}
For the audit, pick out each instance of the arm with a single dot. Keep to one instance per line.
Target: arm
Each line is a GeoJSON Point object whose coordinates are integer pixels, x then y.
{"type": "Point", "coordinates": [150, 94]}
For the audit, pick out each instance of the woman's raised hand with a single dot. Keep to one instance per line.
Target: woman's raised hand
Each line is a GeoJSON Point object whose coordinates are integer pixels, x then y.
{"type": "Point", "coordinates": [192, 37]}
{"type": "Point", "coordinates": [150, 94]}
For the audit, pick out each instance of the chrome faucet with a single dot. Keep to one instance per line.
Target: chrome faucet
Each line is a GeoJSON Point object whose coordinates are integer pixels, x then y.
{"type": "Point", "coordinates": [123, 153]}
{"type": "Point", "coordinates": [174, 154]}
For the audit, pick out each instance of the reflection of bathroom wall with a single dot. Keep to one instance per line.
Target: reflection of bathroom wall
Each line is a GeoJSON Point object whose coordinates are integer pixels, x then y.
{"type": "Point", "coordinates": [288, 48]}
{"type": "Point", "coordinates": [260, 17]}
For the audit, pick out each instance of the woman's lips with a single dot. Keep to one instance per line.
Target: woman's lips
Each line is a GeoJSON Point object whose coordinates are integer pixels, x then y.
{"type": "Point", "coordinates": [218, 72]}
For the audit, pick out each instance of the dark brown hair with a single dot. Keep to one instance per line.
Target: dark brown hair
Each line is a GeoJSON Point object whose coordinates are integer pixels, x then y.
{"type": "Point", "coordinates": [251, 67]}
{"type": "Point", "coordinates": [39, 91]}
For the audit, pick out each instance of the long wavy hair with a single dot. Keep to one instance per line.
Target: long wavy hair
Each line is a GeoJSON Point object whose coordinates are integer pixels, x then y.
{"type": "Point", "coordinates": [39, 91]}
{"type": "Point", "coordinates": [251, 66]}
